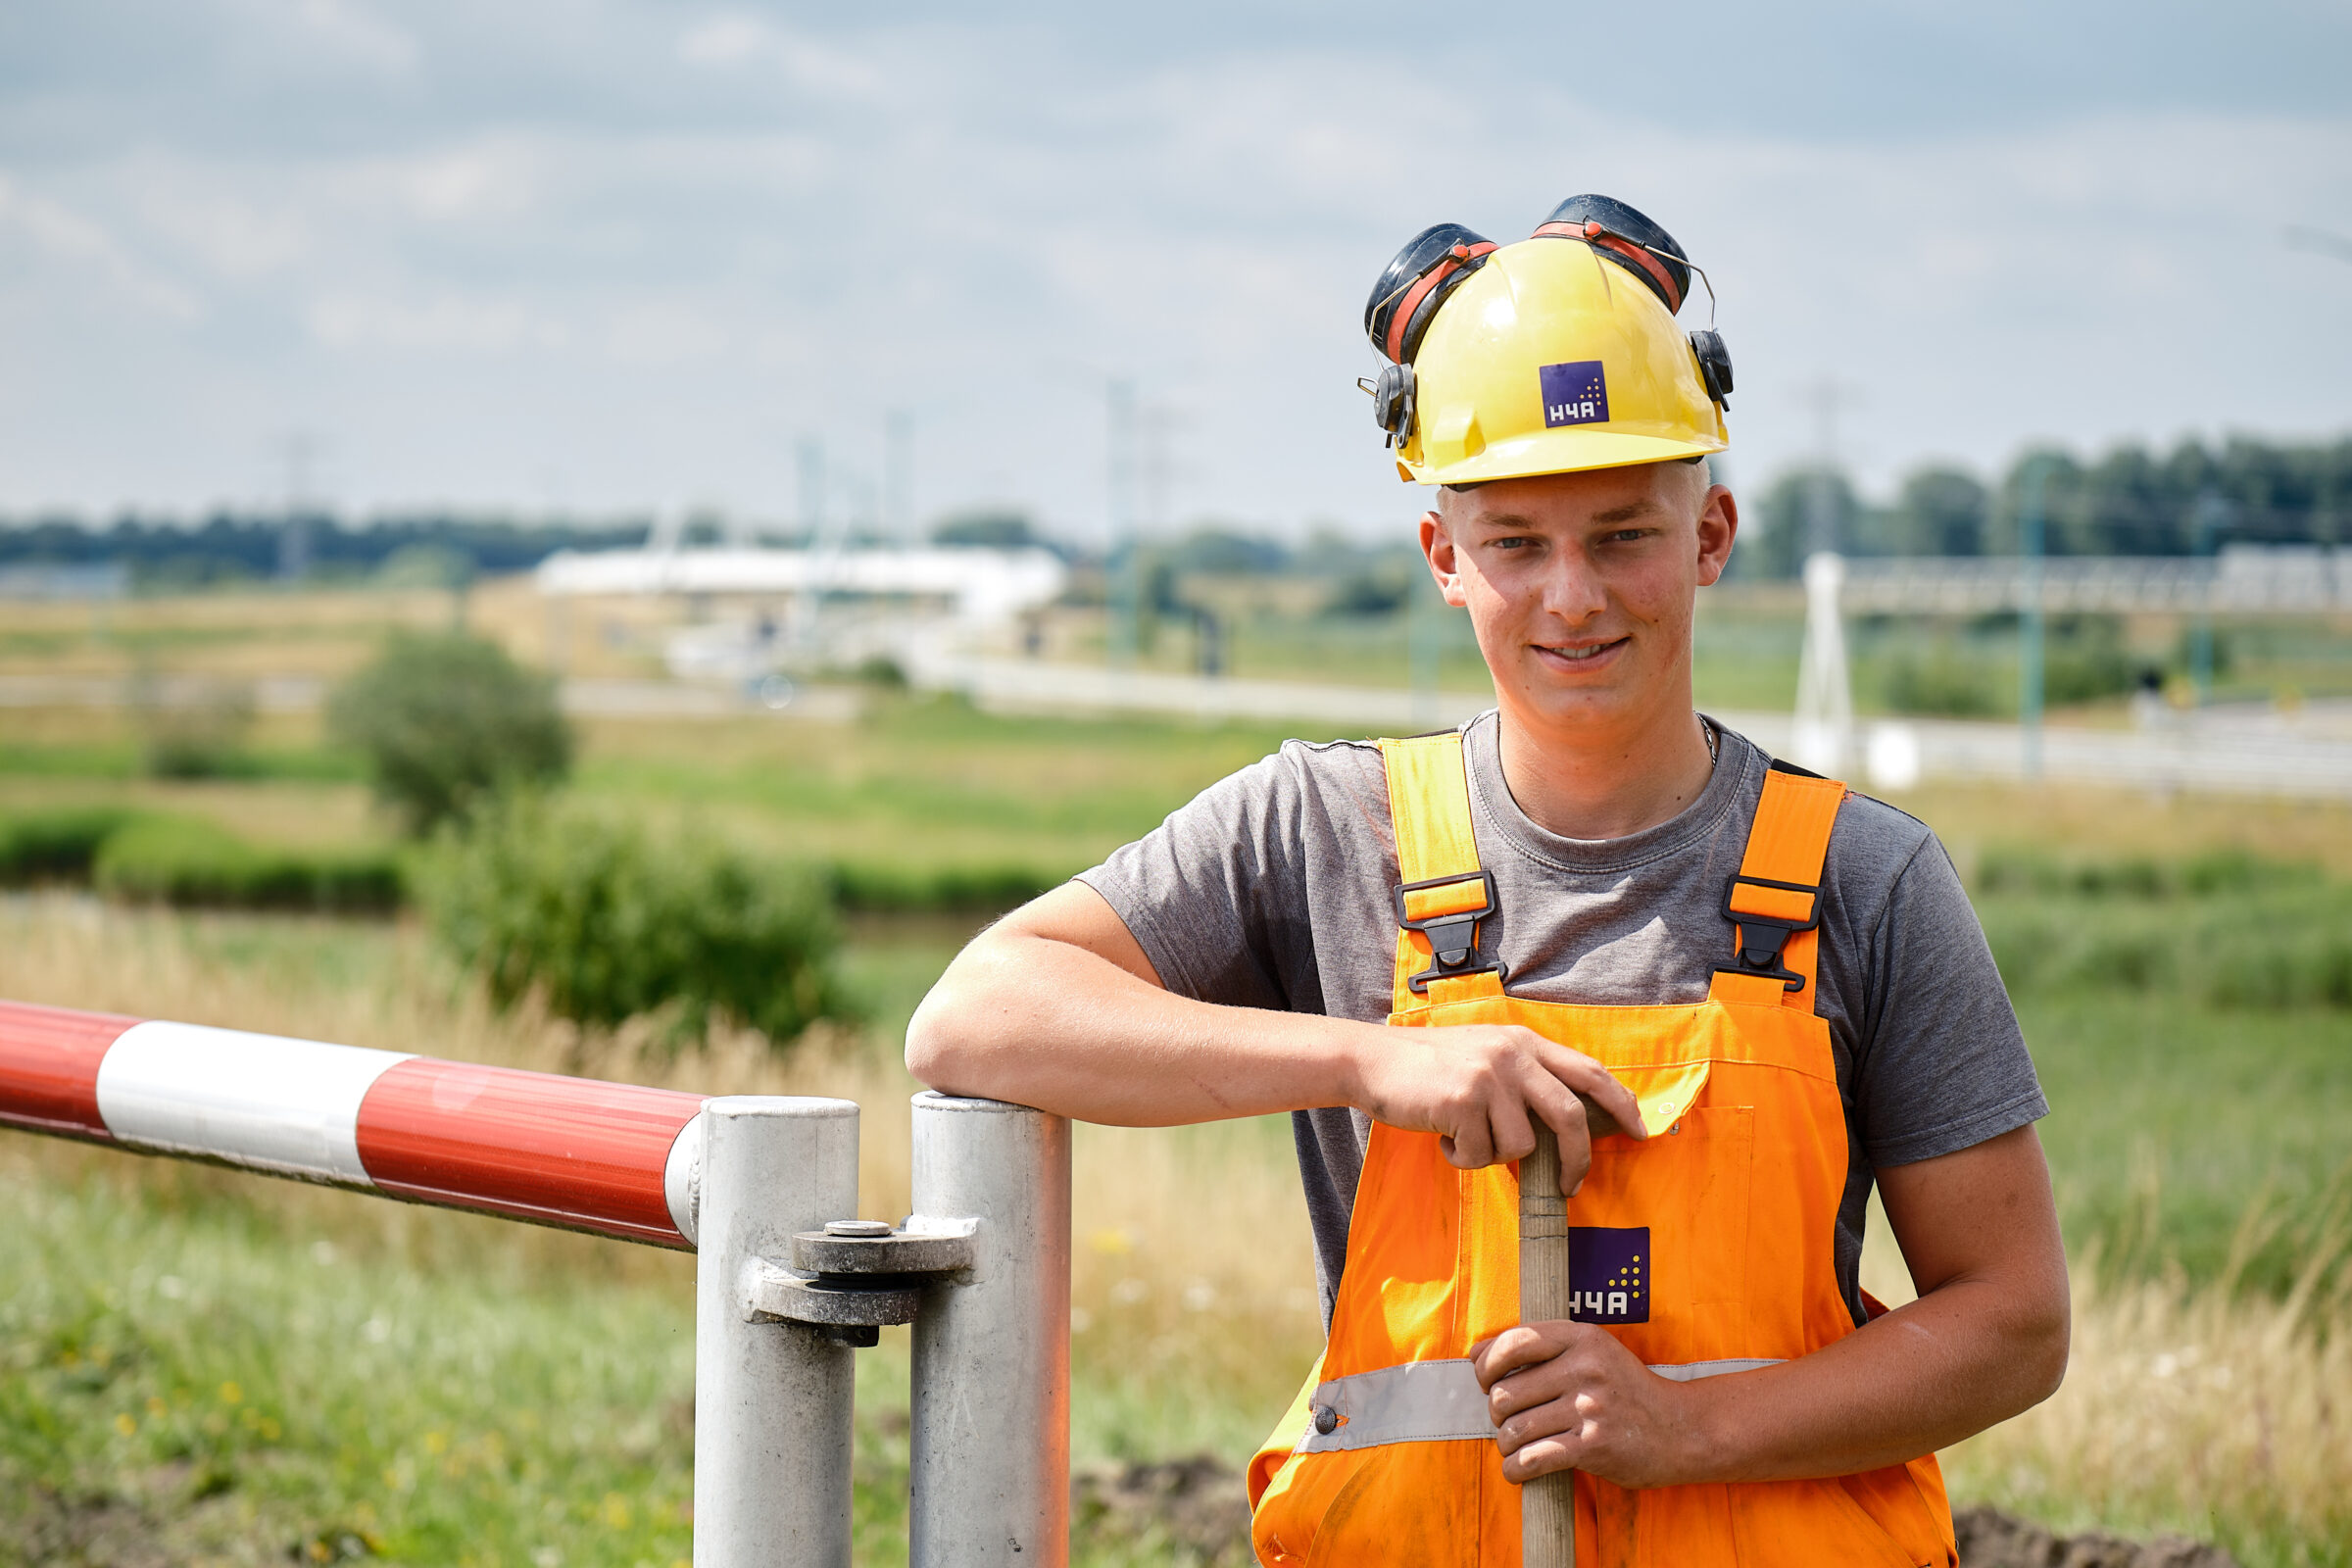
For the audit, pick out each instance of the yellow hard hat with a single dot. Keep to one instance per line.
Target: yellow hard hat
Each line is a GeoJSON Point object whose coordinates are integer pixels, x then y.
{"type": "Point", "coordinates": [1557, 354]}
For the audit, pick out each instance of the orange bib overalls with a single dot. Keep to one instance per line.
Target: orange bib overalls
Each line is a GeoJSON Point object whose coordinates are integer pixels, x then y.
{"type": "Point", "coordinates": [1706, 1250]}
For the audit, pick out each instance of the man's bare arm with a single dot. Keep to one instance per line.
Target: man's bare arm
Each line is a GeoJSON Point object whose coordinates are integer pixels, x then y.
{"type": "Point", "coordinates": [1057, 1006]}
{"type": "Point", "coordinates": [1986, 1339]}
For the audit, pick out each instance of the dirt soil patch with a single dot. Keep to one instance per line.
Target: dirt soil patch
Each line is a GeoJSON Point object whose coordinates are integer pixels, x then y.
{"type": "Point", "coordinates": [1200, 1507]}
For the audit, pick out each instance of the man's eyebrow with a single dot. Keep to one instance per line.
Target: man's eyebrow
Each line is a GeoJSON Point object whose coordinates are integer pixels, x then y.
{"type": "Point", "coordinates": [1632, 510]}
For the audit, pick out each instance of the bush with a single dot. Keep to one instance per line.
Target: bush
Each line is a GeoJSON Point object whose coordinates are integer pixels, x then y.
{"type": "Point", "coordinates": [56, 846]}
{"type": "Point", "coordinates": [1369, 593]}
{"type": "Point", "coordinates": [606, 923]}
{"type": "Point", "coordinates": [200, 735]}
{"type": "Point", "coordinates": [1946, 681]}
{"type": "Point", "coordinates": [2229, 929]}
{"type": "Point", "coordinates": [446, 721]}
{"type": "Point", "coordinates": [168, 860]}
{"type": "Point", "coordinates": [972, 889]}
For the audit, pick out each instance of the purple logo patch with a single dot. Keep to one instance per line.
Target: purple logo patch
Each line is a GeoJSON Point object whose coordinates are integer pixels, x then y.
{"type": "Point", "coordinates": [1575, 393]}
{"type": "Point", "coordinates": [1608, 1274]}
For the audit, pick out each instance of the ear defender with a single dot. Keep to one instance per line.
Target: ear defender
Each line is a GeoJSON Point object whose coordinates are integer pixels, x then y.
{"type": "Point", "coordinates": [1433, 265]}
{"type": "Point", "coordinates": [1626, 238]}
{"type": "Point", "coordinates": [1714, 365]}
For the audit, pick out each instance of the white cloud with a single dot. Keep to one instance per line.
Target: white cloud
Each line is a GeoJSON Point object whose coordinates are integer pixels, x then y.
{"type": "Point", "coordinates": [61, 234]}
{"type": "Point", "coordinates": [355, 33]}
{"type": "Point", "coordinates": [433, 325]}
{"type": "Point", "coordinates": [736, 39]}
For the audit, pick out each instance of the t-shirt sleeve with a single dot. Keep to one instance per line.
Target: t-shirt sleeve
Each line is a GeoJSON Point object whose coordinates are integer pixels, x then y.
{"type": "Point", "coordinates": [1212, 894]}
{"type": "Point", "coordinates": [1942, 1064]}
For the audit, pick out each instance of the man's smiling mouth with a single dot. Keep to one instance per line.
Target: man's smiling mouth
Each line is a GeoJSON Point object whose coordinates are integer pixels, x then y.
{"type": "Point", "coordinates": [1577, 654]}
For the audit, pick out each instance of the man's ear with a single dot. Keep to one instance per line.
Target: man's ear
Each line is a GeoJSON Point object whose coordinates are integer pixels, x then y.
{"type": "Point", "coordinates": [1718, 526]}
{"type": "Point", "coordinates": [1437, 548]}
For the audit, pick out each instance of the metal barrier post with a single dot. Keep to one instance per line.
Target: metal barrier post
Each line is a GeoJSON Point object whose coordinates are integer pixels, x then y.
{"type": "Point", "coordinates": [990, 1439]}
{"type": "Point", "coordinates": [773, 1403]}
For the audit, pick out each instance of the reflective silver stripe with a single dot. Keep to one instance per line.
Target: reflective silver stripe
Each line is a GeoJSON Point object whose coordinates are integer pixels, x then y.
{"type": "Point", "coordinates": [1433, 1402]}
{"type": "Point", "coordinates": [1419, 1401]}
{"type": "Point", "coordinates": [1689, 1370]}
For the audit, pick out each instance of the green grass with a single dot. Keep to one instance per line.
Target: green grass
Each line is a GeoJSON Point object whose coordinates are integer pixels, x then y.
{"type": "Point", "coordinates": [195, 1381]}
{"type": "Point", "coordinates": [2171, 1125]}
{"type": "Point", "coordinates": [926, 793]}
{"type": "Point", "coordinates": [2190, 1019]}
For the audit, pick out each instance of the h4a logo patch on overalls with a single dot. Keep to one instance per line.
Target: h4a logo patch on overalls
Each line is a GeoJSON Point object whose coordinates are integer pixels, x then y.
{"type": "Point", "coordinates": [1609, 1270]}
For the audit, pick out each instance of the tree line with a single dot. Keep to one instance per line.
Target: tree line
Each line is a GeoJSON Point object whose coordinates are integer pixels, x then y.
{"type": "Point", "coordinates": [2131, 501]}
{"type": "Point", "coordinates": [2128, 501]}
{"type": "Point", "coordinates": [230, 546]}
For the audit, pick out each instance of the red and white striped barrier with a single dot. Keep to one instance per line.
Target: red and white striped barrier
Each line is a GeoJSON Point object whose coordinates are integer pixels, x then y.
{"type": "Point", "coordinates": [611, 1158]}
{"type": "Point", "coordinates": [742, 1180]}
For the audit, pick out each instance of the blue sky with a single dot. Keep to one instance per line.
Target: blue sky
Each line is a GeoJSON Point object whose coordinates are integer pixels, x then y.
{"type": "Point", "coordinates": [599, 255]}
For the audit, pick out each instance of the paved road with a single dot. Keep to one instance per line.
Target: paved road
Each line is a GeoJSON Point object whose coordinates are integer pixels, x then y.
{"type": "Point", "coordinates": [2304, 754]}
{"type": "Point", "coordinates": [302, 694]}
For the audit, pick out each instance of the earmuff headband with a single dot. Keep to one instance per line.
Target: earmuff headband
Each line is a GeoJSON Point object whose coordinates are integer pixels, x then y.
{"type": "Point", "coordinates": [1594, 235]}
{"type": "Point", "coordinates": [1401, 321]}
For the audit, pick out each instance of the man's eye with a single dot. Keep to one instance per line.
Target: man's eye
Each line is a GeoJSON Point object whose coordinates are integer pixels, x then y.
{"type": "Point", "coordinates": [1627, 536]}
{"type": "Point", "coordinates": [1512, 544]}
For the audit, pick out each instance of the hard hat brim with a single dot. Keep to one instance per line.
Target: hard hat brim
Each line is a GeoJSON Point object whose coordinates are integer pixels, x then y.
{"type": "Point", "coordinates": [1558, 452]}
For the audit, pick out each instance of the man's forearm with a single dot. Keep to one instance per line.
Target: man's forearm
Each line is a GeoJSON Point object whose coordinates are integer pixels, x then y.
{"type": "Point", "coordinates": [1948, 1365]}
{"type": "Point", "coordinates": [1046, 1023]}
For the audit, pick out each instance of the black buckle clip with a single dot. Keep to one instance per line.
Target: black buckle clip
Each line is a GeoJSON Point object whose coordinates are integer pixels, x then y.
{"type": "Point", "coordinates": [1763, 936]}
{"type": "Point", "coordinates": [1452, 938]}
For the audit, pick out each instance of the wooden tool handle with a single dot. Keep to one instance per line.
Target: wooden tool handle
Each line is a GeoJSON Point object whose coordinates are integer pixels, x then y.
{"type": "Point", "coordinates": [1548, 1504]}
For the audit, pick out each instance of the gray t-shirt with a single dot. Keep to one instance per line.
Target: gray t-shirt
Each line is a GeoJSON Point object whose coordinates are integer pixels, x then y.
{"type": "Point", "coordinates": [1271, 889]}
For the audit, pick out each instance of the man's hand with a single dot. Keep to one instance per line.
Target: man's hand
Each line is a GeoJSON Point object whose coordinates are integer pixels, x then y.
{"type": "Point", "coordinates": [1476, 1086]}
{"type": "Point", "coordinates": [1567, 1396]}
{"type": "Point", "coordinates": [1057, 1006]}
{"type": "Point", "coordinates": [1986, 1339]}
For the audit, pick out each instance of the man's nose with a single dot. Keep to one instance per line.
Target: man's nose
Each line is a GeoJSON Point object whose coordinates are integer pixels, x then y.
{"type": "Point", "coordinates": [1572, 590]}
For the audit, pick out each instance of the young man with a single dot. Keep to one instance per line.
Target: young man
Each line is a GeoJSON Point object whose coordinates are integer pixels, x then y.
{"type": "Point", "coordinates": [1737, 994]}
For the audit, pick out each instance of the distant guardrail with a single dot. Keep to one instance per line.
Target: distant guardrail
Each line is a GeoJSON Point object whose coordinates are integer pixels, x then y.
{"type": "Point", "coordinates": [2242, 579]}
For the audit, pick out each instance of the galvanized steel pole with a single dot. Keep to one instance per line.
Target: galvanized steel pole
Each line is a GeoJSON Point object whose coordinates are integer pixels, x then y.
{"type": "Point", "coordinates": [773, 1403]}
{"type": "Point", "coordinates": [990, 1441]}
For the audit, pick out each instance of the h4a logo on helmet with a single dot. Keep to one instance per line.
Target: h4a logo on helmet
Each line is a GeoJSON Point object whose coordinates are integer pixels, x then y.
{"type": "Point", "coordinates": [1608, 1274]}
{"type": "Point", "coordinates": [1575, 393]}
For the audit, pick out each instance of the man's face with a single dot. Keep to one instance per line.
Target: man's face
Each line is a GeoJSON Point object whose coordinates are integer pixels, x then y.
{"type": "Point", "coordinates": [1580, 586]}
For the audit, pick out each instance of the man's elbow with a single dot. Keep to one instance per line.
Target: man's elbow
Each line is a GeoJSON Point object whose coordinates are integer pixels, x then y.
{"type": "Point", "coordinates": [2040, 1339]}
{"type": "Point", "coordinates": [2053, 1343]}
{"type": "Point", "coordinates": [934, 1045]}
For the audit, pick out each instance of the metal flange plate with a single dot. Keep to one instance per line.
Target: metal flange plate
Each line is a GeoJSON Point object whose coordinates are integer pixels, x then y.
{"type": "Point", "coordinates": [896, 1253]}
{"type": "Point", "coordinates": [774, 1293]}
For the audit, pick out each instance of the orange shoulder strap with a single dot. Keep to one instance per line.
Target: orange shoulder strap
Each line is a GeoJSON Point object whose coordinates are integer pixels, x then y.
{"type": "Point", "coordinates": [1774, 902]}
{"type": "Point", "coordinates": [1442, 891]}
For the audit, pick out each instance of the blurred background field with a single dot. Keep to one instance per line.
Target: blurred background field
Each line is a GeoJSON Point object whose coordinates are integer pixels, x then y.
{"type": "Point", "coordinates": [238, 1368]}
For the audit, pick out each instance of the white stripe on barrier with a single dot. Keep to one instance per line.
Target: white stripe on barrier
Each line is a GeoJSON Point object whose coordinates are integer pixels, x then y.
{"type": "Point", "coordinates": [261, 1100]}
{"type": "Point", "coordinates": [682, 1179]}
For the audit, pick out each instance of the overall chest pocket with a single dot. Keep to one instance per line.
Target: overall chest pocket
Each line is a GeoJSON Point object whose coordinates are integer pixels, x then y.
{"type": "Point", "coordinates": [1676, 1203]}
